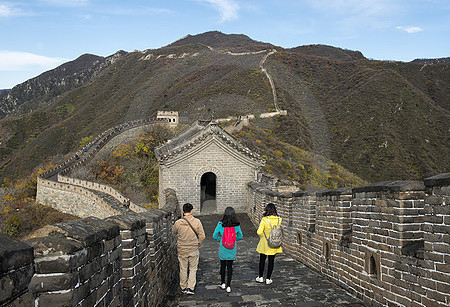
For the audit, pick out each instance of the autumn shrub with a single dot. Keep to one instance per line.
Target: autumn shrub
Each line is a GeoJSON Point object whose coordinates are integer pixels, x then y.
{"type": "Point", "coordinates": [19, 213]}
{"type": "Point", "coordinates": [13, 225]}
{"type": "Point", "coordinates": [285, 161]}
{"type": "Point", "coordinates": [132, 168]}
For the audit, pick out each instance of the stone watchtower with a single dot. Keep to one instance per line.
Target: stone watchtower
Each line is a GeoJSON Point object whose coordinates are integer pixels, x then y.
{"type": "Point", "coordinates": [208, 168]}
{"type": "Point", "coordinates": [171, 116]}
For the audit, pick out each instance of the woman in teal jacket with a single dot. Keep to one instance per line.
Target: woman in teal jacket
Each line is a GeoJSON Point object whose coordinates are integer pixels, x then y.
{"type": "Point", "coordinates": [227, 256]}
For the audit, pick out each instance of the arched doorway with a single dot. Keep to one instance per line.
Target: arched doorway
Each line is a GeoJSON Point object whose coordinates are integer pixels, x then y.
{"type": "Point", "coordinates": [208, 193]}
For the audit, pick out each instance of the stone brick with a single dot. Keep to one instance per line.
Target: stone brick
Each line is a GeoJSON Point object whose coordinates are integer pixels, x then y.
{"type": "Point", "coordinates": [65, 299]}
{"type": "Point", "coordinates": [94, 251]}
{"type": "Point", "coordinates": [26, 299]}
{"type": "Point", "coordinates": [53, 282]}
{"type": "Point", "coordinates": [428, 283]}
{"type": "Point", "coordinates": [443, 287]}
{"type": "Point", "coordinates": [434, 295]}
{"type": "Point", "coordinates": [109, 245]}
{"type": "Point", "coordinates": [14, 253]}
{"type": "Point", "coordinates": [15, 282]}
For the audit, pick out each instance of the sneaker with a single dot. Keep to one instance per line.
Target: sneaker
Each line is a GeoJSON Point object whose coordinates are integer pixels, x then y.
{"type": "Point", "coordinates": [269, 281]}
{"type": "Point", "coordinates": [259, 279]}
{"type": "Point", "coordinates": [223, 286]}
{"type": "Point", "coordinates": [228, 289]}
{"type": "Point", "coordinates": [189, 291]}
{"type": "Point", "coordinates": [184, 291]}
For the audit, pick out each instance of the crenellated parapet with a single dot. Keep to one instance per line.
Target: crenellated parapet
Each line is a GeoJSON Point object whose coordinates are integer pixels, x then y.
{"type": "Point", "coordinates": [83, 198]}
{"type": "Point", "coordinates": [387, 242]}
{"type": "Point", "coordinates": [122, 260]}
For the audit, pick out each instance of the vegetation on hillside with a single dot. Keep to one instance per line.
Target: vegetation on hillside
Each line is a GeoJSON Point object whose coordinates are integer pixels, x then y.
{"type": "Point", "coordinates": [308, 170]}
{"type": "Point", "coordinates": [378, 119]}
{"type": "Point", "coordinates": [132, 167]}
{"type": "Point", "coordinates": [20, 215]}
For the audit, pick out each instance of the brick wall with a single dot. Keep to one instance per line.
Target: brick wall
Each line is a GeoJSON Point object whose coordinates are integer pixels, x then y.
{"type": "Point", "coordinates": [73, 199]}
{"type": "Point", "coordinates": [123, 260]}
{"type": "Point", "coordinates": [232, 173]}
{"type": "Point", "coordinates": [16, 271]}
{"type": "Point", "coordinates": [78, 197]}
{"type": "Point", "coordinates": [387, 242]}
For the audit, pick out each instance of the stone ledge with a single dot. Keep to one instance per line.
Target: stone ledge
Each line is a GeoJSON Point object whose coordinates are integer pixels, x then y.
{"type": "Point", "coordinates": [334, 192]}
{"type": "Point", "coordinates": [56, 254]}
{"type": "Point", "coordinates": [54, 246]}
{"type": "Point", "coordinates": [391, 186]}
{"type": "Point", "coordinates": [263, 189]}
{"type": "Point", "coordinates": [86, 231]}
{"type": "Point", "coordinates": [14, 253]}
{"type": "Point", "coordinates": [438, 180]}
{"type": "Point", "coordinates": [304, 193]}
{"type": "Point", "coordinates": [151, 216]}
{"type": "Point", "coordinates": [128, 221]}
{"type": "Point", "coordinates": [112, 230]}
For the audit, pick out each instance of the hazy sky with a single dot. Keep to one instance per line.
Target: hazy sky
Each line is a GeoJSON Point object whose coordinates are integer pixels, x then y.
{"type": "Point", "coordinates": [39, 35]}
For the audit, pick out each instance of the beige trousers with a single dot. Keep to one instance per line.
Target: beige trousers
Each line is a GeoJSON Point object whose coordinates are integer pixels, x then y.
{"type": "Point", "coordinates": [188, 269]}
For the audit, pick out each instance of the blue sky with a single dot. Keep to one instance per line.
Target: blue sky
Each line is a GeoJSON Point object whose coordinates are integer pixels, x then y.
{"type": "Point", "coordinates": [39, 35]}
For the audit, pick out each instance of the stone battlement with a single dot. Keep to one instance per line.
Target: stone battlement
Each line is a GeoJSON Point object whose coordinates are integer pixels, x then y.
{"type": "Point", "coordinates": [85, 198]}
{"type": "Point", "coordinates": [123, 260]}
{"type": "Point", "coordinates": [387, 242]}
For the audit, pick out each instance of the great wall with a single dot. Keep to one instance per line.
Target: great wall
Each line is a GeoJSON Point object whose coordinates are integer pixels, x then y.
{"type": "Point", "coordinates": [387, 243]}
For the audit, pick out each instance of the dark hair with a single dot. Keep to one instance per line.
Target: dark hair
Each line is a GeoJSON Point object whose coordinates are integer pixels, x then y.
{"type": "Point", "coordinates": [229, 218]}
{"type": "Point", "coordinates": [270, 210]}
{"type": "Point", "coordinates": [187, 207]}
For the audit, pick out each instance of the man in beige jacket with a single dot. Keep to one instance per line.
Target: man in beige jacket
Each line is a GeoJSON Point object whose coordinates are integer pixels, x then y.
{"type": "Point", "coordinates": [190, 233]}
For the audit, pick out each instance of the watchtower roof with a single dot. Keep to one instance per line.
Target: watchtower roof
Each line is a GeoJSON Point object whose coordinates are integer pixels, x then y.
{"type": "Point", "coordinates": [194, 135]}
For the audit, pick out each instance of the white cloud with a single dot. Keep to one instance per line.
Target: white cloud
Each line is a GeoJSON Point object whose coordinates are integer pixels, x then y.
{"type": "Point", "coordinates": [228, 9]}
{"type": "Point", "coordinates": [409, 29]}
{"type": "Point", "coordinates": [22, 61]}
{"type": "Point", "coordinates": [133, 12]}
{"type": "Point", "coordinates": [67, 3]}
{"type": "Point", "coordinates": [10, 10]}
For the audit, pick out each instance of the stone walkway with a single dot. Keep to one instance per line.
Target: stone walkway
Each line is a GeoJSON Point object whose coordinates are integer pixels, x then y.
{"type": "Point", "coordinates": [293, 283]}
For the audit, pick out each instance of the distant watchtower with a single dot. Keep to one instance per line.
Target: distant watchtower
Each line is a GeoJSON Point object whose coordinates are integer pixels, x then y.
{"type": "Point", "coordinates": [171, 116]}
{"type": "Point", "coordinates": [208, 168]}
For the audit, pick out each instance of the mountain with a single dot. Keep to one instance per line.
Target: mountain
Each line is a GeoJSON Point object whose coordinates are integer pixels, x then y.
{"type": "Point", "coordinates": [444, 61]}
{"type": "Point", "coordinates": [380, 120]}
{"type": "Point", "coordinates": [39, 91]}
{"type": "Point", "coordinates": [330, 52]}
{"type": "Point", "coordinates": [219, 40]}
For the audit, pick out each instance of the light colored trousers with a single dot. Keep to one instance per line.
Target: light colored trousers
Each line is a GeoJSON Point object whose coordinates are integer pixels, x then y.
{"type": "Point", "coordinates": [188, 269]}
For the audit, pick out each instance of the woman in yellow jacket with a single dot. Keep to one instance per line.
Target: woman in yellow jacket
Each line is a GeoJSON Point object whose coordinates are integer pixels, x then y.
{"type": "Point", "coordinates": [264, 250]}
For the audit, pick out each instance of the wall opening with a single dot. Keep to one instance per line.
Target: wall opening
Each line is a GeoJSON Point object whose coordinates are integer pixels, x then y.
{"type": "Point", "coordinates": [299, 238]}
{"type": "Point", "coordinates": [208, 184]}
{"type": "Point", "coordinates": [372, 266]}
{"type": "Point", "coordinates": [290, 218]}
{"type": "Point", "coordinates": [327, 251]}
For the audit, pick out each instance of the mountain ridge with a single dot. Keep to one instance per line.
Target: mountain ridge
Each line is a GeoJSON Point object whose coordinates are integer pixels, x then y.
{"type": "Point", "coordinates": [374, 118]}
{"type": "Point", "coordinates": [48, 85]}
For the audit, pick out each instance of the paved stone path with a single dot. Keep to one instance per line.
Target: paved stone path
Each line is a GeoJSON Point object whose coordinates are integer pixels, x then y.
{"type": "Point", "coordinates": [293, 283]}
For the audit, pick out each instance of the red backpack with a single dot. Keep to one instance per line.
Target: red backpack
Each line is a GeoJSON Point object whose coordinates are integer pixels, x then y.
{"type": "Point", "coordinates": [229, 237]}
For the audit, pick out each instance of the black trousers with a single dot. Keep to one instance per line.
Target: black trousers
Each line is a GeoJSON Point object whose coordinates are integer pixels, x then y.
{"type": "Point", "coordinates": [228, 264]}
{"type": "Point", "coordinates": [262, 263]}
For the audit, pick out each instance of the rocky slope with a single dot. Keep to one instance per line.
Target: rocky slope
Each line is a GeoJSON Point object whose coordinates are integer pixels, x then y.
{"type": "Point", "coordinates": [40, 91]}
